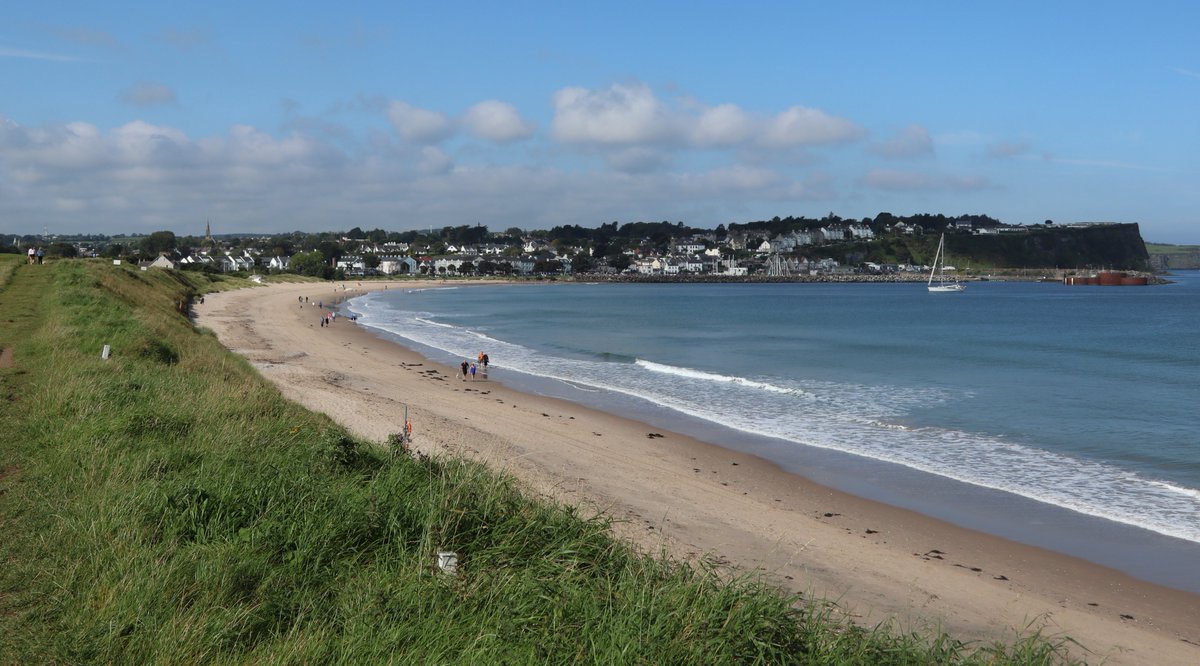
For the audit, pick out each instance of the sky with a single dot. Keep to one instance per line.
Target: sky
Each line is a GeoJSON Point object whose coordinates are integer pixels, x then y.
{"type": "Point", "coordinates": [130, 117]}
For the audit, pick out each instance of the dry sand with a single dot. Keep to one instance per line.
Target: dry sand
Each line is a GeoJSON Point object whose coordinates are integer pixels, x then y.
{"type": "Point", "coordinates": [696, 500]}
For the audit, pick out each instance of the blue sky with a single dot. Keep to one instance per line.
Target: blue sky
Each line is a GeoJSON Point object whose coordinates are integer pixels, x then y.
{"type": "Point", "coordinates": [125, 117]}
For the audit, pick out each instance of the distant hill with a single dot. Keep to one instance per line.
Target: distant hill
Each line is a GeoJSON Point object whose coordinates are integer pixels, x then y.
{"type": "Point", "coordinates": [1164, 257]}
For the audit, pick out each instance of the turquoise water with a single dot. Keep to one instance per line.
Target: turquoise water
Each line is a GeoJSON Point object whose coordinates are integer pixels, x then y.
{"type": "Point", "coordinates": [1079, 398]}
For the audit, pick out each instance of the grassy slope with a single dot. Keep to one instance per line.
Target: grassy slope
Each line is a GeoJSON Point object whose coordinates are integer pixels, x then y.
{"type": "Point", "coordinates": [169, 506]}
{"type": "Point", "coordinates": [1165, 248]}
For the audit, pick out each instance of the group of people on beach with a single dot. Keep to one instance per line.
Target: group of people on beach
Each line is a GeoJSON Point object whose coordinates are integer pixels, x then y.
{"type": "Point", "coordinates": [469, 369]}
{"type": "Point", "coordinates": [36, 255]}
{"type": "Point", "coordinates": [326, 318]}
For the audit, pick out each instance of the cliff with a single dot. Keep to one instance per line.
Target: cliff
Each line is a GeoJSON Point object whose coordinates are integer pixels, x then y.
{"type": "Point", "coordinates": [1115, 246]}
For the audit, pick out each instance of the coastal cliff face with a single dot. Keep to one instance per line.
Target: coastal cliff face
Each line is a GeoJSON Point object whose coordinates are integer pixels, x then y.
{"type": "Point", "coordinates": [1175, 260]}
{"type": "Point", "coordinates": [1116, 246]}
{"type": "Point", "coordinates": [1096, 246]}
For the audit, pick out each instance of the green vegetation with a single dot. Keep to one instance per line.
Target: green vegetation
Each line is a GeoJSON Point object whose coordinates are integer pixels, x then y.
{"type": "Point", "coordinates": [1117, 246]}
{"type": "Point", "coordinates": [1167, 248]}
{"type": "Point", "coordinates": [167, 505]}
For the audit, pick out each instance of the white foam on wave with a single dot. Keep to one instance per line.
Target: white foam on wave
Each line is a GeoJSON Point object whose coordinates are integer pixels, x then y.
{"type": "Point", "coordinates": [1190, 492]}
{"type": "Point", "coordinates": [713, 377]}
{"type": "Point", "coordinates": [850, 418]}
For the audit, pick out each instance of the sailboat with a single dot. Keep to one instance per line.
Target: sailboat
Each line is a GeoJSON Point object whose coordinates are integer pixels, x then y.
{"type": "Point", "coordinates": [939, 264]}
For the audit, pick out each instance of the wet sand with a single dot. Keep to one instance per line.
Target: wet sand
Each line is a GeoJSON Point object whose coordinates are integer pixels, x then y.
{"type": "Point", "coordinates": [696, 500]}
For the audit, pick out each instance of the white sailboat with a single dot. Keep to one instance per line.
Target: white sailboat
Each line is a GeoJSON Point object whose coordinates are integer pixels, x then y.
{"type": "Point", "coordinates": [939, 264]}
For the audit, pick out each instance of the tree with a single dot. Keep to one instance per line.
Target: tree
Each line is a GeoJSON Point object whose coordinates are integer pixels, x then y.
{"type": "Point", "coordinates": [548, 266]}
{"type": "Point", "coordinates": [371, 260]}
{"type": "Point", "coordinates": [310, 263]}
{"type": "Point", "coordinates": [581, 263]}
{"type": "Point", "coordinates": [62, 250]}
{"type": "Point", "coordinates": [158, 243]}
{"type": "Point", "coordinates": [619, 260]}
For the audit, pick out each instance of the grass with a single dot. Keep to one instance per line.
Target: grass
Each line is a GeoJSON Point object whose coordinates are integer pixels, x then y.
{"type": "Point", "coordinates": [1165, 248]}
{"type": "Point", "coordinates": [167, 505]}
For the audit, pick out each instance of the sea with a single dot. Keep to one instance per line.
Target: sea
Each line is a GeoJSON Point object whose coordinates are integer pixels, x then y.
{"type": "Point", "coordinates": [1067, 417]}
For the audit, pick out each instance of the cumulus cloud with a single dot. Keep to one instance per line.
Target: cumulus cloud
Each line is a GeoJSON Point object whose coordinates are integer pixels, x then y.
{"type": "Point", "coordinates": [496, 121]}
{"type": "Point", "coordinates": [141, 176]}
{"type": "Point", "coordinates": [626, 115]}
{"type": "Point", "coordinates": [621, 114]}
{"type": "Point", "coordinates": [722, 125]}
{"type": "Point", "coordinates": [419, 125]}
{"type": "Point", "coordinates": [912, 141]}
{"type": "Point", "coordinates": [434, 160]}
{"type": "Point", "coordinates": [148, 94]}
{"type": "Point", "coordinates": [804, 126]}
{"type": "Point", "coordinates": [637, 159]}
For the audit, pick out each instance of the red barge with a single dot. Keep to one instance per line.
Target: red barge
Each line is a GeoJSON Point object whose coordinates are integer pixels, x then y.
{"type": "Point", "coordinates": [1109, 279]}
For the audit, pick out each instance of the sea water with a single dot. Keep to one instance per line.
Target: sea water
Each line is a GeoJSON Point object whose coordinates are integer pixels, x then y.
{"type": "Point", "coordinates": [1048, 413]}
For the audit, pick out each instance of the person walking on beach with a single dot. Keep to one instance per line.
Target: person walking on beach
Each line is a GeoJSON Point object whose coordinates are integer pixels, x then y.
{"type": "Point", "coordinates": [485, 362]}
{"type": "Point", "coordinates": [472, 372]}
{"type": "Point", "coordinates": [466, 367]}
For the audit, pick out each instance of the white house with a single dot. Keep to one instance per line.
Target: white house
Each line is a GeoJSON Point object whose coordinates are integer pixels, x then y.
{"type": "Point", "coordinates": [351, 263]}
{"type": "Point", "coordinates": [391, 265]}
{"type": "Point", "coordinates": [692, 264]}
{"type": "Point", "coordinates": [861, 232]}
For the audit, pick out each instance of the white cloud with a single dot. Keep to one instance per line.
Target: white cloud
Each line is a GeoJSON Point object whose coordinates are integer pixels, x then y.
{"type": "Point", "coordinates": [802, 126]}
{"type": "Point", "coordinates": [141, 176]}
{"type": "Point", "coordinates": [419, 125]}
{"type": "Point", "coordinates": [637, 159]}
{"type": "Point", "coordinates": [496, 121]}
{"type": "Point", "coordinates": [722, 125]}
{"type": "Point", "coordinates": [148, 94]}
{"type": "Point", "coordinates": [434, 161]}
{"type": "Point", "coordinates": [912, 141]}
{"type": "Point", "coordinates": [621, 114]}
{"type": "Point", "coordinates": [632, 115]}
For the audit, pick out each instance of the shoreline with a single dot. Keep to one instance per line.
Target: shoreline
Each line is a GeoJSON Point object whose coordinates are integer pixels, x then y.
{"type": "Point", "coordinates": [697, 500]}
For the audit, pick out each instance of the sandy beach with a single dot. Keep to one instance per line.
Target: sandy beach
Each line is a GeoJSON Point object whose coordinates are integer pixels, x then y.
{"type": "Point", "coordinates": [697, 500]}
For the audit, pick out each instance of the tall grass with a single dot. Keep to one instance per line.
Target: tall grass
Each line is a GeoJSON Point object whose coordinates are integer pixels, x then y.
{"type": "Point", "coordinates": [169, 506]}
